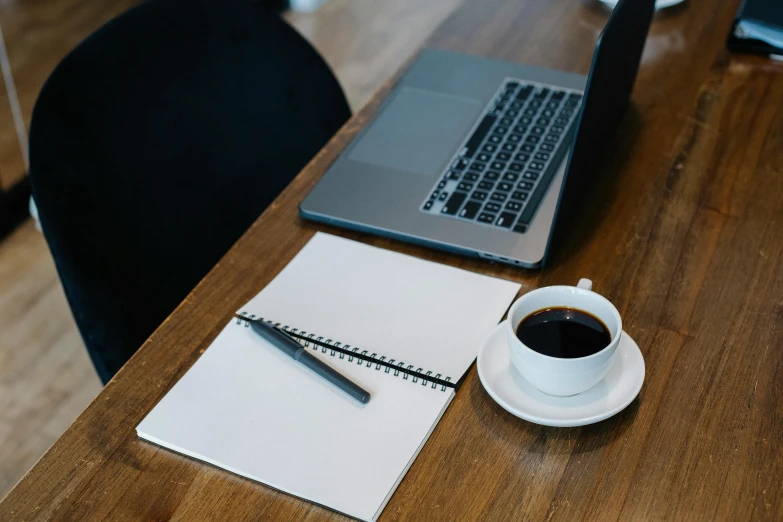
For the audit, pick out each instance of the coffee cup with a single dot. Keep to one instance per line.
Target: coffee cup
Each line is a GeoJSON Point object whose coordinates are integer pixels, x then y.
{"type": "Point", "coordinates": [561, 376]}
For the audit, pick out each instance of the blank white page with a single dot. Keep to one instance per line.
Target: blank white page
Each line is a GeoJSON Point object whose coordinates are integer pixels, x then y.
{"type": "Point", "coordinates": [422, 313]}
{"type": "Point", "coordinates": [248, 408]}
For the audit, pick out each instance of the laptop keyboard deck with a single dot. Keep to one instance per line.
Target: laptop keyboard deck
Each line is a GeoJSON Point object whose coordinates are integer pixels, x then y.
{"type": "Point", "coordinates": [500, 174]}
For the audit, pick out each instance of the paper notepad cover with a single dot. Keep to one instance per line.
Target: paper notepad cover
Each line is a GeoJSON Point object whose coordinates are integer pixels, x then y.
{"type": "Point", "coordinates": [246, 407]}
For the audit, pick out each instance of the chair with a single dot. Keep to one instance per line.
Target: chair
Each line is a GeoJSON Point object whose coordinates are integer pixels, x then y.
{"type": "Point", "coordinates": [157, 142]}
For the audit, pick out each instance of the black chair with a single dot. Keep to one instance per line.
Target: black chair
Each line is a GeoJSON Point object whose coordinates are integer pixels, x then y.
{"type": "Point", "coordinates": [157, 142]}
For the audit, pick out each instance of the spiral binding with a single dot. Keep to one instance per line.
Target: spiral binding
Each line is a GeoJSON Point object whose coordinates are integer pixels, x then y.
{"type": "Point", "coordinates": [335, 348]}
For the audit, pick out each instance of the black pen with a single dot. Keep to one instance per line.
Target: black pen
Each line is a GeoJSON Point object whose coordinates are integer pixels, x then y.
{"type": "Point", "coordinates": [285, 343]}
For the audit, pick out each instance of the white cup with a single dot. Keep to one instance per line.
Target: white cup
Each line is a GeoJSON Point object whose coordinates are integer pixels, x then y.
{"type": "Point", "coordinates": [554, 375]}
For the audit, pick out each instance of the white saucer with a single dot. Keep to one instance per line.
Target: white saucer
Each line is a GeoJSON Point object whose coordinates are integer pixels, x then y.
{"type": "Point", "coordinates": [659, 4]}
{"type": "Point", "coordinates": [516, 395]}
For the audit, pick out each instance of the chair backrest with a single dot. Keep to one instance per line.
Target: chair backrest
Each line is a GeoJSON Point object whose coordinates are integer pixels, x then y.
{"type": "Point", "coordinates": [157, 142]}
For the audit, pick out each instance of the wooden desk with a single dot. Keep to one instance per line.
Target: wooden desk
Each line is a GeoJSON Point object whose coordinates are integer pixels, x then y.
{"type": "Point", "coordinates": [685, 237]}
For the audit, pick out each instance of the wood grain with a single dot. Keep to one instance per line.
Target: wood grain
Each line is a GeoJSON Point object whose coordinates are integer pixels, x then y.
{"type": "Point", "coordinates": [685, 236]}
{"type": "Point", "coordinates": [46, 378]}
{"type": "Point", "coordinates": [366, 42]}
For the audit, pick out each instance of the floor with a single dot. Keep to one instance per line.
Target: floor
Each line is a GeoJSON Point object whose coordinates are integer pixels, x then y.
{"type": "Point", "coordinates": [46, 378]}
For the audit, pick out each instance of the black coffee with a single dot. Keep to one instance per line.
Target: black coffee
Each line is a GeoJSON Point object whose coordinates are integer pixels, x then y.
{"type": "Point", "coordinates": [562, 332]}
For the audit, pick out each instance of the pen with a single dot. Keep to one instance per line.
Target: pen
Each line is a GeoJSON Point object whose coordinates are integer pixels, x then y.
{"type": "Point", "coordinates": [282, 341]}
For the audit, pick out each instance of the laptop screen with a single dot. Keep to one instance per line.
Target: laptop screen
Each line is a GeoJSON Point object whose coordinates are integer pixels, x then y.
{"type": "Point", "coordinates": [609, 84]}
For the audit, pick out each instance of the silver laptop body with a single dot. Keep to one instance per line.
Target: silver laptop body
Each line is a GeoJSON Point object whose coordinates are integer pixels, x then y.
{"type": "Point", "coordinates": [426, 169]}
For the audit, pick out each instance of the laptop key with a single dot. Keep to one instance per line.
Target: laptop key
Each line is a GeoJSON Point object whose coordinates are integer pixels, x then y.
{"type": "Point", "coordinates": [489, 147]}
{"type": "Point", "coordinates": [495, 139]}
{"type": "Point", "coordinates": [471, 176]}
{"type": "Point", "coordinates": [520, 228]}
{"type": "Point", "coordinates": [467, 187]}
{"type": "Point", "coordinates": [506, 219]}
{"type": "Point", "coordinates": [452, 205]}
{"type": "Point", "coordinates": [486, 217]}
{"type": "Point", "coordinates": [547, 147]}
{"type": "Point", "coordinates": [505, 186]}
{"type": "Point", "coordinates": [491, 207]}
{"type": "Point", "coordinates": [441, 184]}
{"type": "Point", "coordinates": [558, 95]}
{"type": "Point", "coordinates": [428, 205]}
{"type": "Point", "coordinates": [509, 147]}
{"type": "Point", "coordinates": [516, 105]}
{"type": "Point", "coordinates": [500, 130]}
{"type": "Point", "coordinates": [537, 165]}
{"type": "Point", "coordinates": [542, 121]}
{"type": "Point", "coordinates": [454, 175]}
{"type": "Point", "coordinates": [485, 185]}
{"type": "Point", "coordinates": [530, 112]}
{"type": "Point", "coordinates": [542, 93]}
{"type": "Point", "coordinates": [470, 210]}
{"type": "Point", "coordinates": [535, 197]}
{"type": "Point", "coordinates": [510, 176]}
{"type": "Point", "coordinates": [531, 175]}
{"type": "Point", "coordinates": [491, 175]}
{"type": "Point", "coordinates": [479, 134]}
{"type": "Point", "coordinates": [524, 92]}
{"type": "Point", "coordinates": [519, 195]}
{"type": "Point", "coordinates": [506, 121]}
{"type": "Point", "coordinates": [552, 138]}
{"type": "Point", "coordinates": [521, 129]}
{"type": "Point", "coordinates": [548, 113]}
{"type": "Point", "coordinates": [497, 165]}
{"type": "Point", "coordinates": [522, 157]}
{"type": "Point", "coordinates": [561, 121]}
{"type": "Point", "coordinates": [503, 156]}
{"type": "Point", "coordinates": [535, 104]}
{"type": "Point", "coordinates": [532, 139]}
{"type": "Point", "coordinates": [516, 166]}
{"type": "Point", "coordinates": [483, 157]}
{"type": "Point", "coordinates": [498, 196]}
{"type": "Point", "coordinates": [513, 206]}
{"type": "Point", "coordinates": [541, 156]}
{"type": "Point", "coordinates": [460, 164]}
{"type": "Point", "coordinates": [514, 138]}
{"type": "Point", "coordinates": [525, 185]}
{"type": "Point", "coordinates": [527, 148]}
{"type": "Point", "coordinates": [479, 195]}
{"type": "Point", "coordinates": [537, 130]}
{"type": "Point", "coordinates": [443, 196]}
{"type": "Point", "coordinates": [477, 166]}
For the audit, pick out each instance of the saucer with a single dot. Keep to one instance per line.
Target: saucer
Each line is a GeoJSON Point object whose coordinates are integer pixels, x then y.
{"type": "Point", "coordinates": [659, 4]}
{"type": "Point", "coordinates": [517, 396]}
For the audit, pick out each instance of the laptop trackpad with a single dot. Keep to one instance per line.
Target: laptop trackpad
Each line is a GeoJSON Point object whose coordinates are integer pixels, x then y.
{"type": "Point", "coordinates": [418, 131]}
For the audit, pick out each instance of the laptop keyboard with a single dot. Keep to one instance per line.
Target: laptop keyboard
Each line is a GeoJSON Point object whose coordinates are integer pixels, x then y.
{"type": "Point", "coordinates": [501, 172]}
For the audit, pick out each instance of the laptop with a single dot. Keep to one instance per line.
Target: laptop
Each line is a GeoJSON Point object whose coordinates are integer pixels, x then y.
{"type": "Point", "coordinates": [482, 157]}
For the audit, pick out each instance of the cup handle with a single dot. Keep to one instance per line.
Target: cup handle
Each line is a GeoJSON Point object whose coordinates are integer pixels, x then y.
{"type": "Point", "coordinates": [585, 284]}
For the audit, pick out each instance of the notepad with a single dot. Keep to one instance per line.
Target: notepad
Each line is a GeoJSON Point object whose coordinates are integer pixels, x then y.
{"type": "Point", "coordinates": [407, 331]}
